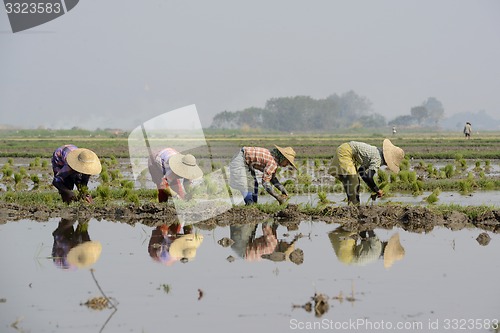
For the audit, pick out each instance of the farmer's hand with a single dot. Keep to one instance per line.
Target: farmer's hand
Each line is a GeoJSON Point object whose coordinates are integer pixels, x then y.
{"type": "Point", "coordinates": [88, 198]}
{"type": "Point", "coordinates": [380, 193]}
{"type": "Point", "coordinates": [282, 198]}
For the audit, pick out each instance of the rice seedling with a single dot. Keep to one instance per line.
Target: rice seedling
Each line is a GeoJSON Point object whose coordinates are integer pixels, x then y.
{"type": "Point", "coordinates": [104, 177]}
{"type": "Point", "coordinates": [449, 170]}
{"type": "Point", "coordinates": [393, 177]}
{"type": "Point", "coordinates": [133, 198]}
{"type": "Point", "coordinates": [433, 197]}
{"type": "Point", "coordinates": [477, 166]}
{"type": "Point", "coordinates": [465, 186]}
{"type": "Point", "coordinates": [103, 192]}
{"type": "Point", "coordinates": [417, 187]}
{"type": "Point", "coordinates": [405, 164]}
{"type": "Point", "coordinates": [304, 179]}
{"type": "Point", "coordinates": [7, 170]}
{"type": "Point", "coordinates": [17, 178]}
{"type": "Point", "coordinates": [412, 176]}
{"type": "Point", "coordinates": [115, 175]}
{"type": "Point", "coordinates": [382, 176]}
{"type": "Point", "coordinates": [404, 176]}
{"type": "Point", "coordinates": [36, 180]}
{"type": "Point", "coordinates": [322, 197]}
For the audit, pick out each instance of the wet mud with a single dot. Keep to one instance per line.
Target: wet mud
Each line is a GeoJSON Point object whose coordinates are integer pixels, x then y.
{"type": "Point", "coordinates": [410, 218]}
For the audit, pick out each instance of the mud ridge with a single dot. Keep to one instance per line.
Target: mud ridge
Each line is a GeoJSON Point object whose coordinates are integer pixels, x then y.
{"type": "Point", "coordinates": [415, 219]}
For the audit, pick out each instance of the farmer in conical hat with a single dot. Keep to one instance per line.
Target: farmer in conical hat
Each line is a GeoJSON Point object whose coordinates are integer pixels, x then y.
{"type": "Point", "coordinates": [74, 166]}
{"type": "Point", "coordinates": [172, 173]}
{"type": "Point", "coordinates": [358, 158]}
{"type": "Point", "coordinates": [242, 171]}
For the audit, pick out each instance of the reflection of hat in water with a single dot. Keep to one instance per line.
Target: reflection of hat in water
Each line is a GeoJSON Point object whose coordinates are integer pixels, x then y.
{"type": "Point", "coordinates": [289, 154]}
{"type": "Point", "coordinates": [185, 166]}
{"type": "Point", "coordinates": [393, 251]}
{"type": "Point", "coordinates": [85, 254]}
{"type": "Point", "coordinates": [185, 246]}
{"type": "Point", "coordinates": [392, 155]}
{"type": "Point", "coordinates": [84, 161]}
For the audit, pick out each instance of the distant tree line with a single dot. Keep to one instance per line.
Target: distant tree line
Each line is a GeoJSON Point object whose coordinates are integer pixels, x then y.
{"type": "Point", "coordinates": [429, 113]}
{"type": "Point", "coordinates": [304, 113]}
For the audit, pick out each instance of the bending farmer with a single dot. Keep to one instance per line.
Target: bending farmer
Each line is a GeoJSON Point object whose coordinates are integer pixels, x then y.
{"type": "Point", "coordinates": [172, 173]}
{"type": "Point", "coordinates": [355, 158]}
{"type": "Point", "coordinates": [249, 159]}
{"type": "Point", "coordinates": [74, 166]}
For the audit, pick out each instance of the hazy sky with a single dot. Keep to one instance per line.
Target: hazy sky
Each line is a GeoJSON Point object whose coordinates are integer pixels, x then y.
{"type": "Point", "coordinates": [118, 63]}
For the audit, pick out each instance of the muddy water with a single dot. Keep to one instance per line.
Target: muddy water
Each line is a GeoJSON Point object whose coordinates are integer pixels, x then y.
{"type": "Point", "coordinates": [444, 280]}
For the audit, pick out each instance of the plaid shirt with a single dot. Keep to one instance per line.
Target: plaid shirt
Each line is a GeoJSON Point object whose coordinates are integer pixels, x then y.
{"type": "Point", "coordinates": [261, 159]}
{"type": "Point", "coordinates": [367, 156]}
{"type": "Point", "coordinates": [266, 244]}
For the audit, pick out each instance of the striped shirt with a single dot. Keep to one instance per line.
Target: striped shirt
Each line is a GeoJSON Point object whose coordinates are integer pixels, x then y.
{"type": "Point", "coordinates": [367, 156]}
{"type": "Point", "coordinates": [261, 159]}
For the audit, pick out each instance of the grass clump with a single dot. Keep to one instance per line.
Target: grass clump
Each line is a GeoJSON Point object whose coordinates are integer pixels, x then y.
{"type": "Point", "coordinates": [449, 170]}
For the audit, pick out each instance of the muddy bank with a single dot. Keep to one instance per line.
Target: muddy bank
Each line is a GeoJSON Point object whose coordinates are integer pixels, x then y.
{"type": "Point", "coordinates": [410, 218]}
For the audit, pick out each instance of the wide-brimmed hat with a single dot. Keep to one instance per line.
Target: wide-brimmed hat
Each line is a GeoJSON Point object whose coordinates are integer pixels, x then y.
{"type": "Point", "coordinates": [85, 254]}
{"type": "Point", "coordinates": [289, 154]}
{"type": "Point", "coordinates": [84, 161]}
{"type": "Point", "coordinates": [185, 166]}
{"type": "Point", "coordinates": [185, 246]}
{"type": "Point", "coordinates": [393, 155]}
{"type": "Point", "coordinates": [393, 251]}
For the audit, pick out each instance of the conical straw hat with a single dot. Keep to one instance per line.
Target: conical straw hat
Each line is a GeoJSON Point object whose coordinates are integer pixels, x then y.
{"type": "Point", "coordinates": [84, 161]}
{"type": "Point", "coordinates": [185, 246]}
{"type": "Point", "coordinates": [393, 155]}
{"type": "Point", "coordinates": [393, 251]}
{"type": "Point", "coordinates": [185, 166]}
{"type": "Point", "coordinates": [289, 154]}
{"type": "Point", "coordinates": [85, 254]}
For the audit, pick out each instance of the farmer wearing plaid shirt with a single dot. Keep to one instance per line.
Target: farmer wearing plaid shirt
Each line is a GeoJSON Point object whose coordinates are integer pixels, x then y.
{"type": "Point", "coordinates": [172, 173]}
{"type": "Point", "coordinates": [73, 166]}
{"type": "Point", "coordinates": [353, 158]}
{"type": "Point", "coordinates": [242, 171]}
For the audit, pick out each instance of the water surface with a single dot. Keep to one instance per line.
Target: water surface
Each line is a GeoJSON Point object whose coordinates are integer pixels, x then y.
{"type": "Point", "coordinates": [442, 275]}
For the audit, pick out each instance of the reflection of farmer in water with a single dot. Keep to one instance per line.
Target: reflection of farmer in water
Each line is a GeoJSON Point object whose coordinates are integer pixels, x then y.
{"type": "Point", "coordinates": [266, 246]}
{"type": "Point", "coordinates": [171, 243]}
{"type": "Point", "coordinates": [73, 247]}
{"type": "Point", "coordinates": [362, 248]}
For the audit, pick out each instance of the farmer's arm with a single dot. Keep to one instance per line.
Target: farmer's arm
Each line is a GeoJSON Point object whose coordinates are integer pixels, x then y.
{"type": "Point", "coordinates": [278, 185]}
{"type": "Point", "coordinates": [268, 186]}
{"type": "Point", "coordinates": [367, 176]}
{"type": "Point", "coordinates": [67, 194]}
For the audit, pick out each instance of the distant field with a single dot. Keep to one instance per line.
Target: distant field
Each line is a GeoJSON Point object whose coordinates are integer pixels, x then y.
{"type": "Point", "coordinates": [446, 145]}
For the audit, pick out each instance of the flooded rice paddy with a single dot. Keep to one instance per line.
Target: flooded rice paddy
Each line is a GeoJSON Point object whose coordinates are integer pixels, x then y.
{"type": "Point", "coordinates": [257, 277]}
